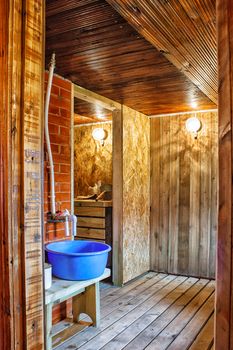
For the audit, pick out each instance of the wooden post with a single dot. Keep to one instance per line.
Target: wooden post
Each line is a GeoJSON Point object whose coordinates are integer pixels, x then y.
{"type": "Point", "coordinates": [21, 71]}
{"type": "Point", "coordinates": [117, 162]}
{"type": "Point", "coordinates": [224, 300]}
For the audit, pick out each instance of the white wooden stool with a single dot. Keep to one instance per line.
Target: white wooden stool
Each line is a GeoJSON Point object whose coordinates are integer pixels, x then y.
{"type": "Point", "coordinates": [85, 299]}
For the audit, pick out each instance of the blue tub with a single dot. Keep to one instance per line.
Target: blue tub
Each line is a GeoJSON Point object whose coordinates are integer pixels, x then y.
{"type": "Point", "coordinates": [77, 260]}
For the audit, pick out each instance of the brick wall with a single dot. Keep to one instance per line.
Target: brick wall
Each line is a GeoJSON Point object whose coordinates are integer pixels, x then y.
{"type": "Point", "coordinates": [59, 130]}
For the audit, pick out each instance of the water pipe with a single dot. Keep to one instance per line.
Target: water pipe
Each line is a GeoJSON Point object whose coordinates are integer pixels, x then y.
{"type": "Point", "coordinates": [47, 138]}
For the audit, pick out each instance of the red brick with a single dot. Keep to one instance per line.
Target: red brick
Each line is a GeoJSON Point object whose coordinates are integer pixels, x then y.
{"type": "Point", "coordinates": [65, 94]}
{"type": "Point", "coordinates": [55, 148]}
{"type": "Point", "coordinates": [65, 131]}
{"type": "Point", "coordinates": [55, 90]}
{"type": "Point", "coordinates": [66, 112]}
{"type": "Point", "coordinates": [64, 159]}
{"type": "Point", "coordinates": [62, 178]}
{"type": "Point", "coordinates": [61, 102]}
{"type": "Point", "coordinates": [65, 169]}
{"type": "Point", "coordinates": [65, 149]}
{"type": "Point", "coordinates": [54, 110]}
{"type": "Point", "coordinates": [60, 139]}
{"type": "Point", "coordinates": [53, 129]}
{"type": "Point", "coordinates": [65, 187]}
{"type": "Point", "coordinates": [61, 82]}
{"type": "Point", "coordinates": [58, 120]}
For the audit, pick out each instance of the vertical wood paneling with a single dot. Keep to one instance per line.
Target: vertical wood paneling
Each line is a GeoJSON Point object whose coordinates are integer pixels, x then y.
{"type": "Point", "coordinates": [224, 304]}
{"type": "Point", "coordinates": [184, 196]}
{"type": "Point", "coordinates": [154, 193]}
{"type": "Point", "coordinates": [31, 218]}
{"type": "Point", "coordinates": [174, 196]}
{"type": "Point", "coordinates": [6, 287]}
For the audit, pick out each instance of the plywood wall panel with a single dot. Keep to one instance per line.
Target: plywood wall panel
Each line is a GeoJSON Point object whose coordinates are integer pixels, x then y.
{"type": "Point", "coordinates": [92, 161]}
{"type": "Point", "coordinates": [136, 193]}
{"type": "Point", "coordinates": [184, 195]}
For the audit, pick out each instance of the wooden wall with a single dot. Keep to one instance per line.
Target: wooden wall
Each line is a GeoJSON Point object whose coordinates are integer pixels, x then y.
{"type": "Point", "coordinates": [136, 193]}
{"type": "Point", "coordinates": [92, 161]}
{"type": "Point", "coordinates": [224, 295]}
{"type": "Point", "coordinates": [184, 195]}
{"type": "Point", "coordinates": [21, 291]}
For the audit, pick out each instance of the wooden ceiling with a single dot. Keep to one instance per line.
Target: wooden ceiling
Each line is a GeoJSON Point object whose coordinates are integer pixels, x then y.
{"type": "Point", "coordinates": [86, 112]}
{"type": "Point", "coordinates": [97, 49]}
{"type": "Point", "coordinates": [184, 30]}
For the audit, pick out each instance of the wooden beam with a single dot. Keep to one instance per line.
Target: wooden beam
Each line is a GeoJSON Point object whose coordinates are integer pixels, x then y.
{"type": "Point", "coordinates": [117, 161]}
{"type": "Point", "coordinates": [97, 99]}
{"type": "Point", "coordinates": [224, 300]}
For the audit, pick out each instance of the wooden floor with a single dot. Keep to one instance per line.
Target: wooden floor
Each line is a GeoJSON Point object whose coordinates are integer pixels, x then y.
{"type": "Point", "coordinates": [157, 311]}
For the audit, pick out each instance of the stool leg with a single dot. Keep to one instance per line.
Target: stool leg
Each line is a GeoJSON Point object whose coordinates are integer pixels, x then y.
{"type": "Point", "coordinates": [48, 326]}
{"type": "Point", "coordinates": [93, 303]}
{"type": "Point", "coordinates": [88, 303]}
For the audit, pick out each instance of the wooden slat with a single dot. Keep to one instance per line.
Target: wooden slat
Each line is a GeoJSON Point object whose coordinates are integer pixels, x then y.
{"type": "Point", "coordinates": [91, 222]}
{"type": "Point", "coordinates": [154, 193]}
{"type": "Point", "coordinates": [205, 337]}
{"type": "Point", "coordinates": [90, 211]}
{"type": "Point", "coordinates": [90, 233]}
{"type": "Point", "coordinates": [189, 333]}
{"type": "Point", "coordinates": [92, 40]}
{"type": "Point", "coordinates": [68, 333]}
{"type": "Point", "coordinates": [183, 31]}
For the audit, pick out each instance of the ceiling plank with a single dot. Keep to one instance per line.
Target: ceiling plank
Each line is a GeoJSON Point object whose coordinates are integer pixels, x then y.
{"type": "Point", "coordinates": [183, 30]}
{"type": "Point", "coordinates": [97, 49]}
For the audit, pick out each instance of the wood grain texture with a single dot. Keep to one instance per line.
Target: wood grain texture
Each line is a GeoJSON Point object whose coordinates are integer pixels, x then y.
{"type": "Point", "coordinates": [136, 193]}
{"type": "Point", "coordinates": [97, 49]}
{"type": "Point", "coordinates": [86, 112]}
{"type": "Point", "coordinates": [31, 211]}
{"type": "Point", "coordinates": [117, 186]}
{"type": "Point", "coordinates": [224, 303]}
{"type": "Point", "coordinates": [184, 31]}
{"type": "Point", "coordinates": [184, 195]}
{"type": "Point", "coordinates": [7, 285]}
{"type": "Point", "coordinates": [152, 312]}
{"type": "Point", "coordinates": [92, 163]}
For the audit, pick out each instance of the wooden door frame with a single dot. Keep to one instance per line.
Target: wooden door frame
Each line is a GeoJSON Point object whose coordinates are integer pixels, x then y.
{"type": "Point", "coordinates": [117, 171]}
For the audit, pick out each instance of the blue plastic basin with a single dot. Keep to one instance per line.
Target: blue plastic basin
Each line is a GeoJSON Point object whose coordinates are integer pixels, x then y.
{"type": "Point", "coordinates": [77, 260]}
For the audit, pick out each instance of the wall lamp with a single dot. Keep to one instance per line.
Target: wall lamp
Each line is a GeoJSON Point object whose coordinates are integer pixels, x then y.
{"type": "Point", "coordinates": [99, 134]}
{"type": "Point", "coordinates": [193, 125]}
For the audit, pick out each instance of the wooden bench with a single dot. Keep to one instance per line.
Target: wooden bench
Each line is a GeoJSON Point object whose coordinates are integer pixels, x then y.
{"type": "Point", "coordinates": [85, 299]}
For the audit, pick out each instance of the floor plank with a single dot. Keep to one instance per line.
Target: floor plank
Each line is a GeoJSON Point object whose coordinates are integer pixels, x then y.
{"type": "Point", "coordinates": [205, 337]}
{"type": "Point", "coordinates": [157, 311]}
{"type": "Point", "coordinates": [176, 328]}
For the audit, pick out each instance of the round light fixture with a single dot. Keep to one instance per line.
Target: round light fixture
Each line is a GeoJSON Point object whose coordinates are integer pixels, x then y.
{"type": "Point", "coordinates": [99, 134]}
{"type": "Point", "coordinates": [193, 125]}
